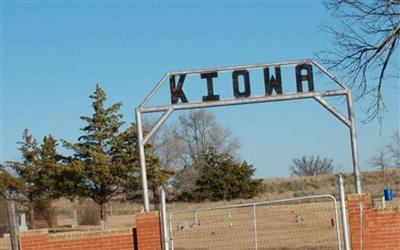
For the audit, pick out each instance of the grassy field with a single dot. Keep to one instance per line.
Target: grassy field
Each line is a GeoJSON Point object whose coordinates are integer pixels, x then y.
{"type": "Point", "coordinates": [123, 212]}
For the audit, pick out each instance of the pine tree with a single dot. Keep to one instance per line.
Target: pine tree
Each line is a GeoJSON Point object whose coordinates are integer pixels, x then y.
{"type": "Point", "coordinates": [48, 166]}
{"type": "Point", "coordinates": [8, 183]}
{"type": "Point", "coordinates": [103, 154]}
{"type": "Point", "coordinates": [36, 187]}
{"type": "Point", "coordinates": [27, 170]}
{"type": "Point", "coordinates": [156, 175]}
{"type": "Point", "coordinates": [126, 152]}
{"type": "Point", "coordinates": [223, 178]}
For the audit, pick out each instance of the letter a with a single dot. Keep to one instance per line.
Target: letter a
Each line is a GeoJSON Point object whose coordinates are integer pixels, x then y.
{"type": "Point", "coordinates": [307, 77]}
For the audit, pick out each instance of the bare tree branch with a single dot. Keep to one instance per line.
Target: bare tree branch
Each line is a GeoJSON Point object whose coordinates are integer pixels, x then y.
{"type": "Point", "coordinates": [381, 161]}
{"type": "Point", "coordinates": [394, 149]}
{"type": "Point", "coordinates": [365, 42]}
{"type": "Point", "coordinates": [311, 166]}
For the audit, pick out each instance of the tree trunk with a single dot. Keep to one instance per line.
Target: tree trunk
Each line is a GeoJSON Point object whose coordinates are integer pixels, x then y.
{"type": "Point", "coordinates": [156, 199]}
{"type": "Point", "coordinates": [32, 217]}
{"type": "Point", "coordinates": [75, 223]}
{"type": "Point", "coordinates": [103, 216]}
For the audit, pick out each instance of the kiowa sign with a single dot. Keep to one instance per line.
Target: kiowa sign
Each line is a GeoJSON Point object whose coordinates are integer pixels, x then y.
{"type": "Point", "coordinates": [241, 85]}
{"type": "Point", "coordinates": [303, 73]}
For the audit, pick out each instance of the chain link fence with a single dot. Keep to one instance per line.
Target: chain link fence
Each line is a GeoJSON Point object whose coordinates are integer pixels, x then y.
{"type": "Point", "coordinates": [297, 223]}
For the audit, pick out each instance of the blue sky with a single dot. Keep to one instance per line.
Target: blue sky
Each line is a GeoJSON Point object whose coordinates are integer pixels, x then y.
{"type": "Point", "coordinates": [53, 54]}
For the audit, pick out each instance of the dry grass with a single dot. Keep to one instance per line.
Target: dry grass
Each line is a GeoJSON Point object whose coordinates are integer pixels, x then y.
{"type": "Point", "coordinates": [275, 189]}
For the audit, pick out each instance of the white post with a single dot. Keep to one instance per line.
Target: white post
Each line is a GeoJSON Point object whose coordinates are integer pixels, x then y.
{"type": "Point", "coordinates": [164, 218]}
{"type": "Point", "coordinates": [353, 140]}
{"type": "Point", "coordinates": [143, 173]}
{"type": "Point", "coordinates": [255, 227]}
{"type": "Point", "coordinates": [346, 235]}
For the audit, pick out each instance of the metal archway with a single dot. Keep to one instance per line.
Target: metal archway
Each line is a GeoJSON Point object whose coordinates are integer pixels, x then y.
{"type": "Point", "coordinates": [272, 84]}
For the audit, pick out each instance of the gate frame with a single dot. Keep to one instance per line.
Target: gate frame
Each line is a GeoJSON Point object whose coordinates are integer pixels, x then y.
{"type": "Point", "coordinates": [254, 205]}
{"type": "Point", "coordinates": [317, 96]}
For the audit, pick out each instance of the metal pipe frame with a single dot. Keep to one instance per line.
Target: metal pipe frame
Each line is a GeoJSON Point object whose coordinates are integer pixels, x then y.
{"type": "Point", "coordinates": [240, 101]}
{"type": "Point", "coordinates": [318, 96]}
{"type": "Point", "coordinates": [143, 172]}
{"type": "Point", "coordinates": [255, 227]}
{"type": "Point", "coordinates": [164, 219]}
{"type": "Point", "coordinates": [331, 109]}
{"type": "Point", "coordinates": [353, 139]}
{"type": "Point", "coordinates": [345, 226]}
{"type": "Point", "coordinates": [157, 125]}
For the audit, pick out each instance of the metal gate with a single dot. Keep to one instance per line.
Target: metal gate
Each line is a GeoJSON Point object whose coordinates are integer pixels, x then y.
{"type": "Point", "coordinates": [297, 223]}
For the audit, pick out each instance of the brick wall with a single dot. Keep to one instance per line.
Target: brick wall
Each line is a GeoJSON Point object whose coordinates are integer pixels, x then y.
{"type": "Point", "coordinates": [101, 240]}
{"type": "Point", "coordinates": [148, 231]}
{"type": "Point", "coordinates": [146, 236]}
{"type": "Point", "coordinates": [380, 229]}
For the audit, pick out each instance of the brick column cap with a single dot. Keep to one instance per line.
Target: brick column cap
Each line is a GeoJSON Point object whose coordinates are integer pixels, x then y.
{"type": "Point", "coordinates": [358, 196]}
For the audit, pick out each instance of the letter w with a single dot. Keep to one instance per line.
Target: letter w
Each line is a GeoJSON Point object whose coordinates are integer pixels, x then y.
{"type": "Point", "coordinates": [272, 83]}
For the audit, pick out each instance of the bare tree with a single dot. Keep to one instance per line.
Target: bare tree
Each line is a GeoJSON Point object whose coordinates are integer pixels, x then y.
{"type": "Point", "coordinates": [366, 38]}
{"type": "Point", "coordinates": [199, 131]}
{"type": "Point", "coordinates": [168, 147]}
{"type": "Point", "coordinates": [311, 166]}
{"type": "Point", "coordinates": [381, 161]}
{"type": "Point", "coordinates": [394, 149]}
{"type": "Point", "coordinates": [183, 144]}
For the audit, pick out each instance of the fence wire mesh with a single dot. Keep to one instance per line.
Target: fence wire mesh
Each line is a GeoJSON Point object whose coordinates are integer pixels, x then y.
{"type": "Point", "coordinates": [299, 223]}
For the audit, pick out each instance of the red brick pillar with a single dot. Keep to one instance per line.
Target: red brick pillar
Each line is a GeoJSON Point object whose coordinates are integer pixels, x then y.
{"type": "Point", "coordinates": [148, 231]}
{"type": "Point", "coordinates": [360, 210]}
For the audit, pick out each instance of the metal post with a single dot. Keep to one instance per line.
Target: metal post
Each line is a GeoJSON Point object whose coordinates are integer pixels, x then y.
{"type": "Point", "coordinates": [255, 226]}
{"type": "Point", "coordinates": [353, 138]}
{"type": "Point", "coordinates": [346, 235]}
{"type": "Point", "coordinates": [164, 218]}
{"type": "Point", "coordinates": [12, 222]}
{"type": "Point", "coordinates": [142, 159]}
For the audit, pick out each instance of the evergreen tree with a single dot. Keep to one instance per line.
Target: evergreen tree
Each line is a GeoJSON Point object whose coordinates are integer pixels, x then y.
{"type": "Point", "coordinates": [156, 175]}
{"type": "Point", "coordinates": [8, 183]}
{"type": "Point", "coordinates": [48, 165]}
{"type": "Point", "coordinates": [101, 177]}
{"type": "Point", "coordinates": [37, 170]}
{"type": "Point", "coordinates": [105, 158]}
{"type": "Point", "coordinates": [126, 152]}
{"type": "Point", "coordinates": [221, 177]}
{"type": "Point", "coordinates": [27, 170]}
{"type": "Point", "coordinates": [48, 168]}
